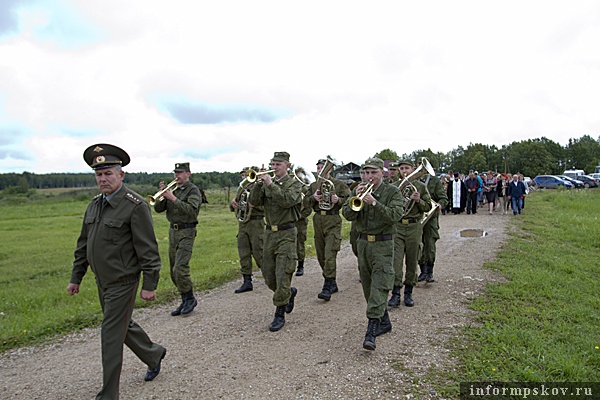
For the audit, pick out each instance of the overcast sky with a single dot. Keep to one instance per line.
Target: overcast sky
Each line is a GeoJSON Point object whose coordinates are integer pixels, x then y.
{"type": "Point", "coordinates": [225, 84]}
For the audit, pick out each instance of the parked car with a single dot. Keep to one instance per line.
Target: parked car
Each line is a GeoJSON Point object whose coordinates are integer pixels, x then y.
{"type": "Point", "coordinates": [577, 184]}
{"type": "Point", "coordinates": [596, 176]}
{"type": "Point", "coordinates": [588, 181]}
{"type": "Point", "coordinates": [551, 182]}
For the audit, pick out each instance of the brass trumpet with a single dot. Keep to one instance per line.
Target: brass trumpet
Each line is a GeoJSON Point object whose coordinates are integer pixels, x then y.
{"type": "Point", "coordinates": [158, 196]}
{"type": "Point", "coordinates": [252, 175]}
{"type": "Point", "coordinates": [356, 202]}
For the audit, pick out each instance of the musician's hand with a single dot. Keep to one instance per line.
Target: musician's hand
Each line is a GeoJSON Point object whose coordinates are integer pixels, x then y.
{"type": "Point", "coordinates": [416, 196]}
{"type": "Point", "coordinates": [334, 198]}
{"type": "Point", "coordinates": [317, 196]}
{"type": "Point", "coordinates": [169, 195]}
{"type": "Point", "coordinates": [369, 199]}
{"type": "Point", "coordinates": [234, 203]}
{"type": "Point", "coordinates": [266, 179]}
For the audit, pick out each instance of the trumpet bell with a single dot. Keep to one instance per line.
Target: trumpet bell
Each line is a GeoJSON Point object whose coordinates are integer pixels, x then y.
{"type": "Point", "coordinates": [158, 196]}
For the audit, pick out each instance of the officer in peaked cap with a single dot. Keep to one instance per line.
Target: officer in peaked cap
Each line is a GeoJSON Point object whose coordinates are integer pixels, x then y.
{"type": "Point", "coordinates": [100, 156]}
{"type": "Point", "coordinates": [115, 262]}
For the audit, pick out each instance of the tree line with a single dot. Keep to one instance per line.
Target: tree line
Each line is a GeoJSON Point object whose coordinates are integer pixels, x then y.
{"type": "Point", "coordinates": [529, 157]}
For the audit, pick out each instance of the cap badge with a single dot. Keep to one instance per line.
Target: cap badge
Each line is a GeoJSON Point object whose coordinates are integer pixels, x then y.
{"type": "Point", "coordinates": [98, 149]}
{"type": "Point", "coordinates": [99, 159]}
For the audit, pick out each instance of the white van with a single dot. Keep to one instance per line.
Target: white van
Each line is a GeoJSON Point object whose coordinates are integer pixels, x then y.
{"type": "Point", "coordinates": [574, 173]}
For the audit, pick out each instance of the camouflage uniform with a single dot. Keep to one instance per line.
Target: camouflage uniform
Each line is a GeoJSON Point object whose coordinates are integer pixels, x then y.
{"type": "Point", "coordinates": [250, 239]}
{"type": "Point", "coordinates": [432, 228]}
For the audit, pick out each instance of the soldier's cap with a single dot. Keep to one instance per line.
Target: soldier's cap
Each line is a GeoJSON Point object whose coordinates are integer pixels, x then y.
{"type": "Point", "coordinates": [407, 162]}
{"type": "Point", "coordinates": [373, 162]}
{"type": "Point", "coordinates": [281, 156]}
{"type": "Point", "coordinates": [104, 155]}
{"type": "Point", "coordinates": [393, 165]}
{"type": "Point", "coordinates": [182, 167]}
{"type": "Point", "coordinates": [321, 161]}
{"type": "Point", "coordinates": [244, 169]}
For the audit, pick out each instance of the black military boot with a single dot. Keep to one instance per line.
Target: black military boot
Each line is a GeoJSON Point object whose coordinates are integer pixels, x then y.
{"type": "Point", "coordinates": [372, 329]}
{"type": "Point", "coordinates": [408, 300]}
{"type": "Point", "coordinates": [326, 291]}
{"type": "Point", "coordinates": [189, 304]}
{"type": "Point", "coordinates": [246, 286]}
{"type": "Point", "coordinates": [290, 305]}
{"type": "Point", "coordinates": [278, 319]}
{"type": "Point", "coordinates": [385, 325]}
{"type": "Point", "coordinates": [300, 269]}
{"type": "Point", "coordinates": [423, 274]}
{"type": "Point", "coordinates": [333, 289]}
{"type": "Point", "coordinates": [430, 273]}
{"type": "Point", "coordinates": [395, 299]}
{"type": "Point", "coordinates": [177, 311]}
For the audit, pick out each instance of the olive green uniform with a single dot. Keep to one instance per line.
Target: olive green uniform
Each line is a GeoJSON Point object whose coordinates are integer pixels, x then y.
{"type": "Point", "coordinates": [327, 225]}
{"type": "Point", "coordinates": [117, 242]}
{"type": "Point", "coordinates": [281, 201]}
{"type": "Point", "coordinates": [407, 243]}
{"type": "Point", "coordinates": [432, 227]}
{"type": "Point", "coordinates": [376, 226]}
{"type": "Point", "coordinates": [250, 239]}
{"type": "Point", "coordinates": [183, 217]}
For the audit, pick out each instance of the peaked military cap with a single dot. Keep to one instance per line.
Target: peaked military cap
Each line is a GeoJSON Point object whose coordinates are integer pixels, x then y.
{"type": "Point", "coordinates": [407, 162]}
{"type": "Point", "coordinates": [103, 155]}
{"type": "Point", "coordinates": [182, 167]}
{"type": "Point", "coordinates": [373, 162]}
{"type": "Point", "coordinates": [281, 156]}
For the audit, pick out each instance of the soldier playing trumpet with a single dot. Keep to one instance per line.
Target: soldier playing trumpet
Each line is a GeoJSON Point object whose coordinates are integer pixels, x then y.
{"type": "Point", "coordinates": [251, 228]}
{"type": "Point", "coordinates": [326, 197]}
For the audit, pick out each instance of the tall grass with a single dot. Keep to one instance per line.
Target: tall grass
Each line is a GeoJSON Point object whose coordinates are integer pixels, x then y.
{"type": "Point", "coordinates": [543, 323]}
{"type": "Point", "coordinates": [38, 239]}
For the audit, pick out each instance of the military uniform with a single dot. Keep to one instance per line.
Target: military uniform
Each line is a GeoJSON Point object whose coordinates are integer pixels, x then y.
{"type": "Point", "coordinates": [407, 245]}
{"type": "Point", "coordinates": [431, 230]}
{"type": "Point", "coordinates": [117, 242]}
{"type": "Point", "coordinates": [376, 226]}
{"type": "Point", "coordinates": [250, 235]}
{"type": "Point", "coordinates": [281, 201]}
{"type": "Point", "coordinates": [393, 180]}
{"type": "Point", "coordinates": [182, 215]}
{"type": "Point", "coordinates": [327, 225]}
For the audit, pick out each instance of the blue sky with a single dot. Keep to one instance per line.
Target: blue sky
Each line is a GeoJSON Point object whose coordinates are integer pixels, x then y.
{"type": "Point", "coordinates": [225, 84]}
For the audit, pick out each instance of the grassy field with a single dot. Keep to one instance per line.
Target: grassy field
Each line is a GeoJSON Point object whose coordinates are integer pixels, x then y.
{"type": "Point", "coordinates": [543, 324]}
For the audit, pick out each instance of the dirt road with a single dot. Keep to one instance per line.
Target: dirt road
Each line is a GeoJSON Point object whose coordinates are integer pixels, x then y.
{"type": "Point", "coordinates": [224, 349]}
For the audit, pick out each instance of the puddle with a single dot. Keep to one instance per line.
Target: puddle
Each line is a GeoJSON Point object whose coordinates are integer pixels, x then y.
{"type": "Point", "coordinates": [473, 233]}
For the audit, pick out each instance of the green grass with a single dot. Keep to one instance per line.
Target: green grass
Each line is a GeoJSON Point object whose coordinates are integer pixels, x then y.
{"type": "Point", "coordinates": [38, 239]}
{"type": "Point", "coordinates": [543, 323]}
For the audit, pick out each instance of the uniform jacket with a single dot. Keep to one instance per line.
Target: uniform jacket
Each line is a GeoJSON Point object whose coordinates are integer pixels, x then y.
{"type": "Point", "coordinates": [423, 205]}
{"type": "Point", "coordinates": [381, 218]}
{"type": "Point", "coordinates": [281, 200]}
{"type": "Point", "coordinates": [119, 244]}
{"type": "Point", "coordinates": [436, 190]}
{"type": "Point", "coordinates": [341, 190]}
{"type": "Point", "coordinates": [185, 209]}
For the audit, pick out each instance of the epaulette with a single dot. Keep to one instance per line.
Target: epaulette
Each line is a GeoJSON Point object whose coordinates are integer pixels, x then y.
{"type": "Point", "coordinates": [96, 196]}
{"type": "Point", "coordinates": [133, 198]}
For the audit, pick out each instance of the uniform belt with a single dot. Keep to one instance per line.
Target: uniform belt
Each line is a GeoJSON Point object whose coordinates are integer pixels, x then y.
{"type": "Point", "coordinates": [257, 216]}
{"type": "Point", "coordinates": [375, 238]}
{"type": "Point", "coordinates": [183, 226]}
{"type": "Point", "coordinates": [327, 212]}
{"type": "Point", "coordinates": [283, 227]}
{"type": "Point", "coordinates": [406, 221]}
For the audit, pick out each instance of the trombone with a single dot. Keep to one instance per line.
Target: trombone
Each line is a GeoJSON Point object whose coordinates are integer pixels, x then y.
{"type": "Point", "coordinates": [158, 196]}
{"type": "Point", "coordinates": [356, 202]}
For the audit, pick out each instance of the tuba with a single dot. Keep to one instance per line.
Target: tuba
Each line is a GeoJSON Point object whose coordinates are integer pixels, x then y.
{"type": "Point", "coordinates": [407, 188]}
{"type": "Point", "coordinates": [326, 187]}
{"type": "Point", "coordinates": [356, 202]}
{"type": "Point", "coordinates": [158, 196]}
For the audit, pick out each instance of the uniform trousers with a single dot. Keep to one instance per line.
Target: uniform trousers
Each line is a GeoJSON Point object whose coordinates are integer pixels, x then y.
{"type": "Point", "coordinates": [376, 268]}
{"type": "Point", "coordinates": [328, 240]}
{"type": "Point", "coordinates": [407, 250]}
{"type": "Point", "coordinates": [250, 244]}
{"type": "Point", "coordinates": [181, 245]}
{"type": "Point", "coordinates": [302, 226]}
{"type": "Point", "coordinates": [279, 263]}
{"type": "Point", "coordinates": [118, 328]}
{"type": "Point", "coordinates": [431, 233]}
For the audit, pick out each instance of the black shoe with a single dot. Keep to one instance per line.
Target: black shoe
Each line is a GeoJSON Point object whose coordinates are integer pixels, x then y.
{"type": "Point", "coordinates": [278, 319]}
{"type": "Point", "coordinates": [334, 287]}
{"type": "Point", "coordinates": [246, 286]}
{"type": "Point", "coordinates": [429, 276]}
{"type": "Point", "coordinates": [372, 329]}
{"type": "Point", "coordinates": [408, 300]}
{"type": "Point", "coordinates": [300, 269]}
{"type": "Point", "coordinates": [189, 304]}
{"type": "Point", "coordinates": [153, 373]}
{"type": "Point", "coordinates": [177, 311]}
{"type": "Point", "coordinates": [385, 325]}
{"type": "Point", "coordinates": [395, 299]}
{"type": "Point", "coordinates": [423, 273]}
{"type": "Point", "coordinates": [326, 291]}
{"type": "Point", "coordinates": [290, 305]}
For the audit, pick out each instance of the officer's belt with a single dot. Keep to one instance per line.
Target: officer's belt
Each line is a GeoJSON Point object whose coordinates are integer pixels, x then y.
{"type": "Point", "coordinates": [406, 221]}
{"type": "Point", "coordinates": [375, 238]}
{"type": "Point", "coordinates": [283, 227]}
{"type": "Point", "coordinates": [183, 226]}
{"type": "Point", "coordinates": [327, 212]}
